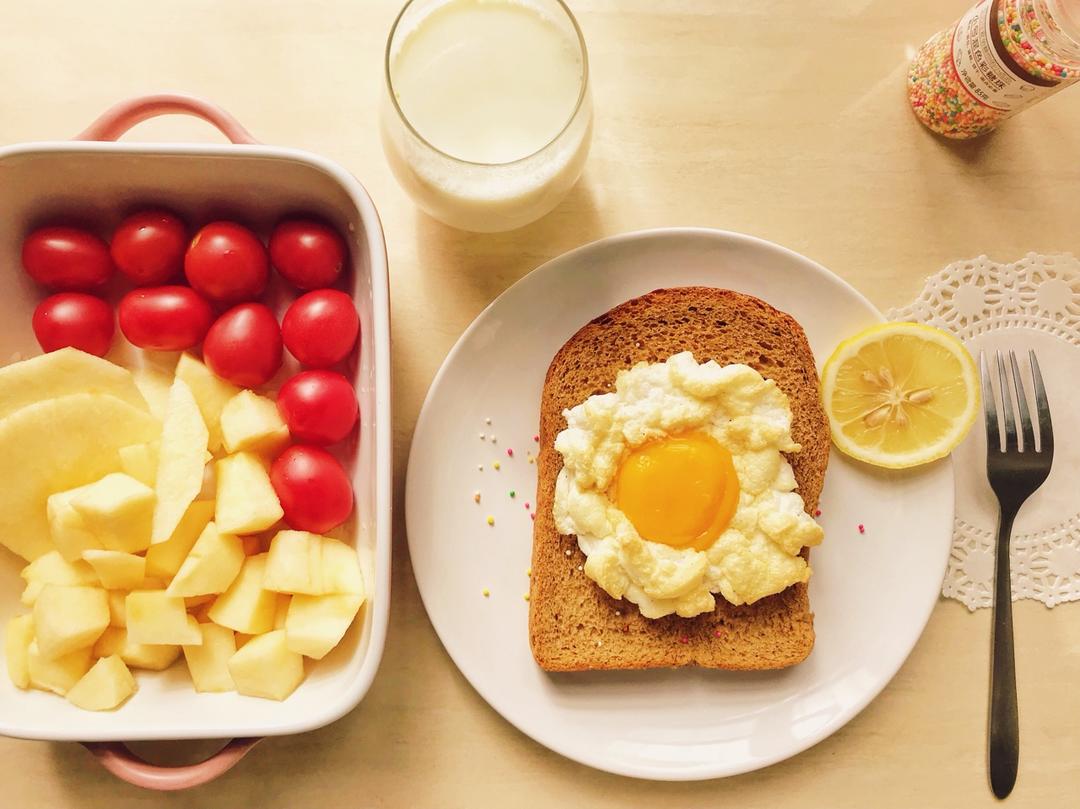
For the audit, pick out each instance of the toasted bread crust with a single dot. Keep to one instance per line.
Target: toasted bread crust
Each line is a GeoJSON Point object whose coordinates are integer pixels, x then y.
{"type": "Point", "coordinates": [576, 626]}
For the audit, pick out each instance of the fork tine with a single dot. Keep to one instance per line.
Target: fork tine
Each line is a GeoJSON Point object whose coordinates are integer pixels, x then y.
{"type": "Point", "coordinates": [1042, 408]}
{"type": "Point", "coordinates": [1022, 406]}
{"type": "Point", "coordinates": [1006, 405]}
{"type": "Point", "coordinates": [993, 429]}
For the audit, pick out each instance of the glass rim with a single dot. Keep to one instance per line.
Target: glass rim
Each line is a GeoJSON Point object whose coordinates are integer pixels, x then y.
{"type": "Point", "coordinates": [562, 130]}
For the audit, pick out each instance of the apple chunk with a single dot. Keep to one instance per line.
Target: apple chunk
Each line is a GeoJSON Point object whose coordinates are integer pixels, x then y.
{"type": "Point", "coordinates": [67, 529]}
{"type": "Point", "coordinates": [17, 639]}
{"type": "Point", "coordinates": [140, 462]}
{"type": "Point", "coordinates": [246, 606]}
{"type": "Point", "coordinates": [150, 656]}
{"type": "Point", "coordinates": [154, 617]}
{"type": "Point", "coordinates": [211, 566]}
{"type": "Point", "coordinates": [246, 502]}
{"type": "Point", "coordinates": [117, 509]}
{"type": "Point", "coordinates": [209, 663]}
{"type": "Point", "coordinates": [314, 625]}
{"type": "Point", "coordinates": [52, 568]}
{"type": "Point", "coordinates": [104, 687]}
{"type": "Point", "coordinates": [210, 391]}
{"type": "Point", "coordinates": [181, 460]}
{"type": "Point", "coordinates": [60, 674]}
{"type": "Point", "coordinates": [165, 558]}
{"type": "Point", "coordinates": [265, 667]}
{"type": "Point", "coordinates": [116, 569]}
{"type": "Point", "coordinates": [69, 618]}
{"type": "Point", "coordinates": [251, 422]}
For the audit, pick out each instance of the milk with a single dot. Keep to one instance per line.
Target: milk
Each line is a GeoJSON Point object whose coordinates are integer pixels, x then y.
{"type": "Point", "coordinates": [492, 118]}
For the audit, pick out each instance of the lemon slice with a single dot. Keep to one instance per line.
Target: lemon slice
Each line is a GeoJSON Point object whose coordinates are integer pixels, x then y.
{"type": "Point", "coordinates": [900, 394]}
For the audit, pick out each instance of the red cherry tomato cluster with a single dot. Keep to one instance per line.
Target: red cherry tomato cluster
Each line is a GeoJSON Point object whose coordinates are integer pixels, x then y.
{"type": "Point", "coordinates": [227, 268]}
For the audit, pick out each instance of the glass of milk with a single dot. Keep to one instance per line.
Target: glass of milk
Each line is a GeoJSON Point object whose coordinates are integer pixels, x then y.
{"type": "Point", "coordinates": [487, 117]}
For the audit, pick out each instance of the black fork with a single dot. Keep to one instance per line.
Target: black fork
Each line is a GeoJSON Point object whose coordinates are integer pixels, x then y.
{"type": "Point", "coordinates": [1015, 466]}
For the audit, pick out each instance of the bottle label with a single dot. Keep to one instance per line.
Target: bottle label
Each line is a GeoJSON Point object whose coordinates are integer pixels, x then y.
{"type": "Point", "coordinates": [985, 67]}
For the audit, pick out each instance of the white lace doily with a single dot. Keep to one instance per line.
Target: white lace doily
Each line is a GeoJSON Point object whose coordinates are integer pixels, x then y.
{"type": "Point", "coordinates": [1033, 303]}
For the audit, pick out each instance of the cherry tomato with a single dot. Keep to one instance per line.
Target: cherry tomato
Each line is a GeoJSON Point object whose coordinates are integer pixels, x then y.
{"type": "Point", "coordinates": [244, 345]}
{"type": "Point", "coordinates": [148, 247]}
{"type": "Point", "coordinates": [74, 319]}
{"type": "Point", "coordinates": [318, 406]}
{"type": "Point", "coordinates": [320, 328]}
{"type": "Point", "coordinates": [67, 259]}
{"type": "Point", "coordinates": [227, 263]}
{"type": "Point", "coordinates": [313, 489]}
{"type": "Point", "coordinates": [307, 253]}
{"type": "Point", "coordinates": [170, 318]}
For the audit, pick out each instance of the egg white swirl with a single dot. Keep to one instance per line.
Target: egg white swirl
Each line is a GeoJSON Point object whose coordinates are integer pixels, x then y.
{"type": "Point", "coordinates": [755, 556]}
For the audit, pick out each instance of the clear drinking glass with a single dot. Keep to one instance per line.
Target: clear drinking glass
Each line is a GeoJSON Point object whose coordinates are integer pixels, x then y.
{"type": "Point", "coordinates": [470, 192]}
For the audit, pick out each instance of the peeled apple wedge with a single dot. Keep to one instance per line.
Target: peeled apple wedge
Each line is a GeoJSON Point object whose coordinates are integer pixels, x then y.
{"type": "Point", "coordinates": [181, 460]}
{"type": "Point", "coordinates": [246, 606]}
{"type": "Point", "coordinates": [153, 384]}
{"type": "Point", "coordinates": [116, 569]}
{"type": "Point", "coordinates": [52, 568]}
{"type": "Point", "coordinates": [104, 687]}
{"type": "Point", "coordinates": [117, 510]}
{"type": "Point", "coordinates": [252, 422]}
{"type": "Point", "coordinates": [55, 445]}
{"type": "Point", "coordinates": [314, 625]}
{"type": "Point", "coordinates": [246, 502]}
{"type": "Point", "coordinates": [69, 618]}
{"type": "Point", "coordinates": [211, 566]}
{"type": "Point", "coordinates": [209, 663]}
{"type": "Point", "coordinates": [165, 558]}
{"type": "Point", "coordinates": [60, 674]}
{"type": "Point", "coordinates": [265, 667]}
{"type": "Point", "coordinates": [150, 656]}
{"type": "Point", "coordinates": [67, 529]}
{"type": "Point", "coordinates": [156, 618]}
{"type": "Point", "coordinates": [210, 391]}
{"type": "Point", "coordinates": [63, 373]}
{"type": "Point", "coordinates": [18, 636]}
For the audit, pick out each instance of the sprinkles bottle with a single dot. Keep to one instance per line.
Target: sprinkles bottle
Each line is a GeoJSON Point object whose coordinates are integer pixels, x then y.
{"type": "Point", "coordinates": [999, 58]}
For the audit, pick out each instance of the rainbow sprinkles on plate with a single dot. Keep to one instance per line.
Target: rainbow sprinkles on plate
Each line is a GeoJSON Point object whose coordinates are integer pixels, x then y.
{"type": "Point", "coordinates": [683, 448]}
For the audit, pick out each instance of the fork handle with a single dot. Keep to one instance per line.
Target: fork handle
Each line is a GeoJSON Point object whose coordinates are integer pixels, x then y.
{"type": "Point", "coordinates": [1004, 730]}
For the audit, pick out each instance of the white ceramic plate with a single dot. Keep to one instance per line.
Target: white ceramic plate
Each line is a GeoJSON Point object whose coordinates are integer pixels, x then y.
{"type": "Point", "coordinates": [872, 593]}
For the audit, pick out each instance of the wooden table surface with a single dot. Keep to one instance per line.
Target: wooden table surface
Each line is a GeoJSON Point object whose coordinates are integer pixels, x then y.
{"type": "Point", "coordinates": [780, 119]}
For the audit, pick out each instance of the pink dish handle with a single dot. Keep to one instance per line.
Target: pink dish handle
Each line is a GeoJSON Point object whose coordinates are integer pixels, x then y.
{"type": "Point", "coordinates": [121, 117]}
{"type": "Point", "coordinates": [125, 765]}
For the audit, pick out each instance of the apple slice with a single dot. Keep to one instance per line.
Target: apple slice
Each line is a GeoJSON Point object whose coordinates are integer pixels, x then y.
{"type": "Point", "coordinates": [209, 663]}
{"type": "Point", "coordinates": [69, 618]}
{"type": "Point", "coordinates": [181, 461]}
{"type": "Point", "coordinates": [154, 617]}
{"type": "Point", "coordinates": [211, 392]}
{"type": "Point", "coordinates": [17, 639]}
{"type": "Point", "coordinates": [116, 569]}
{"type": "Point", "coordinates": [104, 687]}
{"type": "Point", "coordinates": [246, 502]}
{"type": "Point", "coordinates": [211, 566]}
{"type": "Point", "coordinates": [265, 667]}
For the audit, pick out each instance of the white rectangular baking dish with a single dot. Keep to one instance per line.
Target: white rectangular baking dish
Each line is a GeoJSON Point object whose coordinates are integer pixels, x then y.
{"type": "Point", "coordinates": [99, 182]}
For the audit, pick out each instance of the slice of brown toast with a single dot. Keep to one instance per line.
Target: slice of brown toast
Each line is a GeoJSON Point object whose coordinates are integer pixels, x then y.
{"type": "Point", "coordinates": [576, 626]}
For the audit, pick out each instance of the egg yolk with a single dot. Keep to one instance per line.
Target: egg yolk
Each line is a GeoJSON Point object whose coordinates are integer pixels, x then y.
{"type": "Point", "coordinates": [680, 490]}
